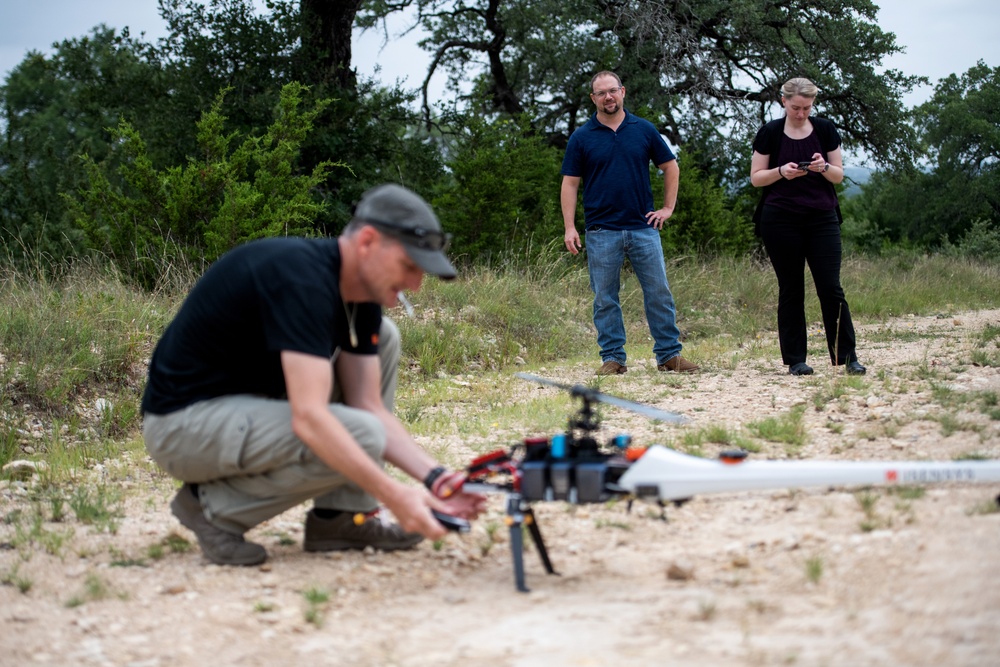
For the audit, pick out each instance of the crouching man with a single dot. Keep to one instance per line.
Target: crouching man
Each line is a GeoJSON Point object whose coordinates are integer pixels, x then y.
{"type": "Point", "coordinates": [275, 383]}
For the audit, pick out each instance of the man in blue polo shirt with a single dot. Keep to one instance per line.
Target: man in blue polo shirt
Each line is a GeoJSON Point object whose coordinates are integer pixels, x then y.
{"type": "Point", "coordinates": [611, 155]}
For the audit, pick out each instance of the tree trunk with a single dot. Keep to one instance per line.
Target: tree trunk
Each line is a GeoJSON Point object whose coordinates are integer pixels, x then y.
{"type": "Point", "coordinates": [327, 27]}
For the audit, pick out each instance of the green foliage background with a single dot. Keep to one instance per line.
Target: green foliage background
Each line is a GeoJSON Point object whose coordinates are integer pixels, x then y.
{"type": "Point", "coordinates": [151, 154]}
{"type": "Point", "coordinates": [196, 212]}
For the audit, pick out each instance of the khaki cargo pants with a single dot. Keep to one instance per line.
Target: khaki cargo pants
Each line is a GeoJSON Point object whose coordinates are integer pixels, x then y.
{"type": "Point", "coordinates": [247, 462]}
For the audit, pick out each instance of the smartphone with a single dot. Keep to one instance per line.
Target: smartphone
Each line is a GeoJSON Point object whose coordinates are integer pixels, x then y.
{"type": "Point", "coordinates": [804, 166]}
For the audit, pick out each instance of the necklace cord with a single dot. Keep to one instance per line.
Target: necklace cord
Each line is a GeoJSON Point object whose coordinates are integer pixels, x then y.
{"type": "Point", "coordinates": [350, 323]}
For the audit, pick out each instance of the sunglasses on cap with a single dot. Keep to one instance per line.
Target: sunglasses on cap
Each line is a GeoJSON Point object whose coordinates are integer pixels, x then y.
{"type": "Point", "coordinates": [425, 239]}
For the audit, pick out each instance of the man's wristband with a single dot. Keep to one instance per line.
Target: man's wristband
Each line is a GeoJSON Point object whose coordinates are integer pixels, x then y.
{"type": "Point", "coordinates": [432, 477]}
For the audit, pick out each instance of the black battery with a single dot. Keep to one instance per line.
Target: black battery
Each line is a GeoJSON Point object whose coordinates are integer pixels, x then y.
{"type": "Point", "coordinates": [533, 480]}
{"type": "Point", "coordinates": [561, 477]}
{"type": "Point", "coordinates": [590, 482]}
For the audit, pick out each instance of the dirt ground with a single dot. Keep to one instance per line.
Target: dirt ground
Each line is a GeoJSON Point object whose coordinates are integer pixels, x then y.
{"type": "Point", "coordinates": [785, 577]}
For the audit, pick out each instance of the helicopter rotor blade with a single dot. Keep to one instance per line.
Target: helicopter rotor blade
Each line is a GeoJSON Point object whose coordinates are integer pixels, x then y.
{"type": "Point", "coordinates": [593, 395]}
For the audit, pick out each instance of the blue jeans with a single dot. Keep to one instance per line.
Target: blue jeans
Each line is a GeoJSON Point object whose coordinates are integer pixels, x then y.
{"type": "Point", "coordinates": [606, 253]}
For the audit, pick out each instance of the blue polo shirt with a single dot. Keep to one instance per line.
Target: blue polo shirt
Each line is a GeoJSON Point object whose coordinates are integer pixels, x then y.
{"type": "Point", "coordinates": [614, 166]}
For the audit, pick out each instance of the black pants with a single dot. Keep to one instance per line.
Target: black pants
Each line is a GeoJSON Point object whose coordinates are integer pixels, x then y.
{"type": "Point", "coordinates": [791, 239]}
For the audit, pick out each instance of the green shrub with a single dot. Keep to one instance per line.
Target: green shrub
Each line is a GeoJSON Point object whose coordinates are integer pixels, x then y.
{"type": "Point", "coordinates": [504, 195]}
{"type": "Point", "coordinates": [196, 212]}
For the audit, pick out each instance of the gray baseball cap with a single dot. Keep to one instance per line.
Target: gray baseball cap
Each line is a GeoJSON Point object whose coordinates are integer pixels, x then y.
{"type": "Point", "coordinates": [404, 215]}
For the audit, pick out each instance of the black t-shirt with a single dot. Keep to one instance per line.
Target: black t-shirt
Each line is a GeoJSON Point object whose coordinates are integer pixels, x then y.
{"type": "Point", "coordinates": [811, 191]}
{"type": "Point", "coordinates": [768, 142]}
{"type": "Point", "coordinates": [256, 301]}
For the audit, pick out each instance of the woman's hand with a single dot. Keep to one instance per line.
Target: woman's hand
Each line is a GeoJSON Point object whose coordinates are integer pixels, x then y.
{"type": "Point", "coordinates": [818, 164]}
{"type": "Point", "coordinates": [791, 170]}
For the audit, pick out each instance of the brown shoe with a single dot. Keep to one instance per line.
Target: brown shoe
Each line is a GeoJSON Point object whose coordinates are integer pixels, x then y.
{"type": "Point", "coordinates": [612, 368]}
{"type": "Point", "coordinates": [344, 533]}
{"type": "Point", "coordinates": [677, 364]}
{"type": "Point", "coordinates": [219, 546]}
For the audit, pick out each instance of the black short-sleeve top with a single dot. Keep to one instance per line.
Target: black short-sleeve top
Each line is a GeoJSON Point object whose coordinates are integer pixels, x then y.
{"type": "Point", "coordinates": [256, 301]}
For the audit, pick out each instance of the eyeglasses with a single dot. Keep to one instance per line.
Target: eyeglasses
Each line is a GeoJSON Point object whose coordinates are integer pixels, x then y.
{"type": "Point", "coordinates": [610, 92]}
{"type": "Point", "coordinates": [425, 239]}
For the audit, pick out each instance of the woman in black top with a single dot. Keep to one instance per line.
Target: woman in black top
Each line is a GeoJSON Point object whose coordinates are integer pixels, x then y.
{"type": "Point", "coordinates": [797, 161]}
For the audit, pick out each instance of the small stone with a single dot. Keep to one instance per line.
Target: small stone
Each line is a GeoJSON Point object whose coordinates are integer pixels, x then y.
{"type": "Point", "coordinates": [680, 571]}
{"type": "Point", "coordinates": [23, 469]}
{"type": "Point", "coordinates": [874, 402]}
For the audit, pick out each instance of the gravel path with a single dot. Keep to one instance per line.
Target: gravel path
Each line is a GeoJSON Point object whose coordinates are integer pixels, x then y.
{"type": "Point", "coordinates": [784, 577]}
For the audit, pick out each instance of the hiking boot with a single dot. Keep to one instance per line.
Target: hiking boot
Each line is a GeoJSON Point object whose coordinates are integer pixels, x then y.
{"type": "Point", "coordinates": [345, 532]}
{"type": "Point", "coordinates": [800, 368]}
{"type": "Point", "coordinates": [612, 367]}
{"type": "Point", "coordinates": [677, 364]}
{"type": "Point", "coordinates": [219, 546]}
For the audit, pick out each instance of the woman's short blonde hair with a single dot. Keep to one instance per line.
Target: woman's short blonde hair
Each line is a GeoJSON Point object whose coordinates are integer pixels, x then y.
{"type": "Point", "coordinates": [799, 86]}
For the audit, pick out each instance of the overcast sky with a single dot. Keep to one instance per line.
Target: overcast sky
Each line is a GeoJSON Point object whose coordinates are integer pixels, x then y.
{"type": "Point", "coordinates": [940, 38]}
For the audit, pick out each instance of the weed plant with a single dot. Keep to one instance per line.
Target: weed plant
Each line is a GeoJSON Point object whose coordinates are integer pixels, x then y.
{"type": "Point", "coordinates": [94, 588]}
{"type": "Point", "coordinates": [987, 347]}
{"type": "Point", "coordinates": [316, 600]}
{"type": "Point", "coordinates": [814, 569]}
{"type": "Point", "coordinates": [99, 507]}
{"type": "Point", "coordinates": [787, 429]}
{"type": "Point", "coordinates": [12, 578]}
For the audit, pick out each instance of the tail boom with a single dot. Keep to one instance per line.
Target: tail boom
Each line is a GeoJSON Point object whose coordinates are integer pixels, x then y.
{"type": "Point", "coordinates": [677, 476]}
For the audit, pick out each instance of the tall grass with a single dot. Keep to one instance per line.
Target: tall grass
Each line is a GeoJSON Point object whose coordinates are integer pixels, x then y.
{"type": "Point", "coordinates": [66, 342]}
{"type": "Point", "coordinates": [74, 345]}
{"type": "Point", "coordinates": [62, 339]}
{"type": "Point", "coordinates": [922, 285]}
{"type": "Point", "coordinates": [494, 317]}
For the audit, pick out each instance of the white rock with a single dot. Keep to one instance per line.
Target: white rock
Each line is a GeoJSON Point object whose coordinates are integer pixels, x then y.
{"type": "Point", "coordinates": [23, 469]}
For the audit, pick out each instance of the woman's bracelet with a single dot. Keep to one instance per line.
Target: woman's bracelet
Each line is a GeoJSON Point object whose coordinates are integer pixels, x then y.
{"type": "Point", "coordinates": [780, 175]}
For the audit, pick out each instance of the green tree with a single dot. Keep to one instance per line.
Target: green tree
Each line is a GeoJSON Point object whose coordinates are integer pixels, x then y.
{"type": "Point", "coordinates": [230, 43]}
{"type": "Point", "coordinates": [704, 222]}
{"type": "Point", "coordinates": [504, 193]}
{"type": "Point", "coordinates": [958, 182]}
{"type": "Point", "coordinates": [215, 45]}
{"type": "Point", "coordinates": [200, 210]}
{"type": "Point", "coordinates": [709, 68]}
{"type": "Point", "coordinates": [56, 108]}
{"type": "Point", "coordinates": [53, 109]}
{"type": "Point", "coordinates": [960, 124]}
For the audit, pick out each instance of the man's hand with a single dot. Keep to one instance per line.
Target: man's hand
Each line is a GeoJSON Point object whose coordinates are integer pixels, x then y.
{"type": "Point", "coordinates": [658, 217]}
{"type": "Point", "coordinates": [572, 241]}
{"type": "Point", "coordinates": [466, 505]}
{"type": "Point", "coordinates": [448, 488]}
{"type": "Point", "coordinates": [567, 202]}
{"type": "Point", "coordinates": [412, 508]}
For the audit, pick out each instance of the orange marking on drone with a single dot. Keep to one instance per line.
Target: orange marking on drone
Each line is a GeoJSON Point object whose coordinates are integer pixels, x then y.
{"type": "Point", "coordinates": [634, 453]}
